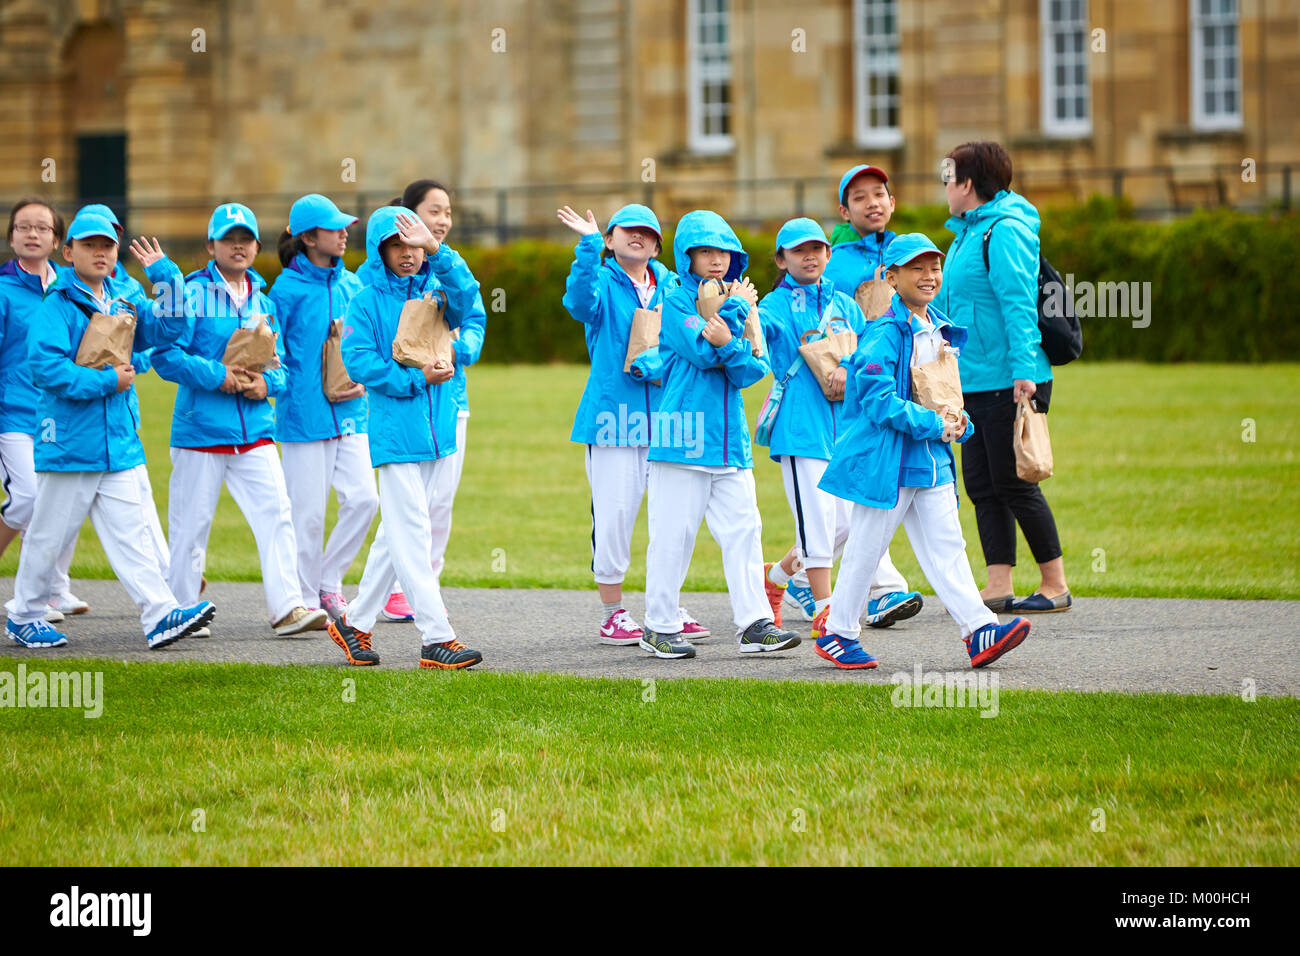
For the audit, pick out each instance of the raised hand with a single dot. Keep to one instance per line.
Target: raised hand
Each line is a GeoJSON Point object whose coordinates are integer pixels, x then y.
{"type": "Point", "coordinates": [583, 227]}
{"type": "Point", "coordinates": [145, 254]}
{"type": "Point", "coordinates": [415, 233]}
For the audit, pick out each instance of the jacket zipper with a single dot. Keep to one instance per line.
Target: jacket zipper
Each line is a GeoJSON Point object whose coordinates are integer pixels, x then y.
{"type": "Point", "coordinates": [726, 418]}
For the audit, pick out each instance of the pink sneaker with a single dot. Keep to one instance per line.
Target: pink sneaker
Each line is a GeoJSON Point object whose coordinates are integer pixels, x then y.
{"type": "Point", "coordinates": [335, 605]}
{"type": "Point", "coordinates": [620, 629]}
{"type": "Point", "coordinates": [397, 609]}
{"type": "Point", "coordinates": [692, 630]}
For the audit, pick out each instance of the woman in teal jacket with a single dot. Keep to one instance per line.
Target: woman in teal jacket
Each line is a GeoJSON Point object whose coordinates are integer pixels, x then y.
{"type": "Point", "coordinates": [1002, 362]}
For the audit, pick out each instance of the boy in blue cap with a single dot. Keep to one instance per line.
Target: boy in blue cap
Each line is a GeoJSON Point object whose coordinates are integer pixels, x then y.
{"type": "Point", "coordinates": [617, 407]}
{"type": "Point", "coordinates": [701, 462]}
{"type": "Point", "coordinates": [324, 440]}
{"type": "Point", "coordinates": [866, 205]}
{"type": "Point", "coordinates": [895, 463]}
{"type": "Point", "coordinates": [223, 425]}
{"type": "Point", "coordinates": [88, 454]}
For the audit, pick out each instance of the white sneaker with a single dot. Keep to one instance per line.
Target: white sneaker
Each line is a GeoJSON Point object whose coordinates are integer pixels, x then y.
{"type": "Point", "coordinates": [201, 632]}
{"type": "Point", "coordinates": [52, 614]}
{"type": "Point", "coordinates": [69, 604]}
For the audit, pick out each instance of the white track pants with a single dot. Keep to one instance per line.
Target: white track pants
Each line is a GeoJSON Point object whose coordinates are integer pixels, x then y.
{"type": "Point", "coordinates": [929, 515]}
{"type": "Point", "coordinates": [311, 468]}
{"type": "Point", "coordinates": [679, 497]}
{"type": "Point", "coordinates": [618, 477]}
{"type": "Point", "coordinates": [440, 511]}
{"type": "Point", "coordinates": [18, 478]}
{"type": "Point", "coordinates": [402, 548]}
{"type": "Point", "coordinates": [119, 512]}
{"type": "Point", "coordinates": [256, 482]}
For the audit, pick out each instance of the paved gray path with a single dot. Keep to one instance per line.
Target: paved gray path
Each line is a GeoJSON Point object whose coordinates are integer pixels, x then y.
{"type": "Point", "coordinates": [1124, 644]}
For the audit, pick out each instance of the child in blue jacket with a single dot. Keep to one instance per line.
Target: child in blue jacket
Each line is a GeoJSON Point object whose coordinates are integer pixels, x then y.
{"type": "Point", "coordinates": [35, 230]}
{"type": "Point", "coordinates": [613, 276]}
{"type": "Point", "coordinates": [412, 432]}
{"type": "Point", "coordinates": [323, 438]}
{"type": "Point", "coordinates": [803, 307]}
{"type": "Point", "coordinates": [223, 424]}
{"type": "Point", "coordinates": [88, 454]}
{"type": "Point", "coordinates": [431, 201]}
{"type": "Point", "coordinates": [701, 463]}
{"type": "Point", "coordinates": [895, 463]}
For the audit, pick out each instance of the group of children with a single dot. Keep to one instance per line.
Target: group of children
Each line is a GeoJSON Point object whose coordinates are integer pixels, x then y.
{"type": "Point", "coordinates": [68, 423]}
{"type": "Point", "coordinates": [858, 455]}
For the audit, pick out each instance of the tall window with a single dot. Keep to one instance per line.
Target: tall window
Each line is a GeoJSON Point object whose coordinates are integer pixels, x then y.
{"type": "Point", "coordinates": [1216, 65]}
{"type": "Point", "coordinates": [875, 73]}
{"type": "Point", "coordinates": [709, 63]}
{"type": "Point", "coordinates": [1066, 103]}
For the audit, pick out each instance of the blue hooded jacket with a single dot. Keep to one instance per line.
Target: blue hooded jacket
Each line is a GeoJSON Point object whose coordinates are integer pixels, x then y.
{"type": "Point", "coordinates": [204, 415]}
{"type": "Point", "coordinates": [83, 423]}
{"type": "Point", "coordinates": [410, 420]}
{"type": "Point", "coordinates": [867, 464]}
{"type": "Point", "coordinates": [307, 300]}
{"type": "Point", "coordinates": [998, 305]}
{"type": "Point", "coordinates": [853, 263]}
{"type": "Point", "coordinates": [473, 326]}
{"type": "Point", "coordinates": [20, 298]}
{"type": "Point", "coordinates": [601, 296]}
{"type": "Point", "coordinates": [807, 423]}
{"type": "Point", "coordinates": [701, 419]}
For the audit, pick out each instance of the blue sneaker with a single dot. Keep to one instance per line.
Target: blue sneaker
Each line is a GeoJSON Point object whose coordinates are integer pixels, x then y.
{"type": "Point", "coordinates": [844, 652]}
{"type": "Point", "coordinates": [800, 597]}
{"type": "Point", "coordinates": [993, 640]}
{"type": "Point", "coordinates": [36, 634]}
{"type": "Point", "coordinates": [898, 606]}
{"type": "Point", "coordinates": [180, 623]}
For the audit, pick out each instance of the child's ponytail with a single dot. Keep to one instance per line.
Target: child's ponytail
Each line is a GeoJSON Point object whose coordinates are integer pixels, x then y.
{"type": "Point", "coordinates": [290, 245]}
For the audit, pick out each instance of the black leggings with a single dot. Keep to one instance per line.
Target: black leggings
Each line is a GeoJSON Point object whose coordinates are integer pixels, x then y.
{"type": "Point", "coordinates": [1001, 497]}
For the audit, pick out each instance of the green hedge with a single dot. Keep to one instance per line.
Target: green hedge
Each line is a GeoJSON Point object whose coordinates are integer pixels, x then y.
{"type": "Point", "coordinates": [1224, 286]}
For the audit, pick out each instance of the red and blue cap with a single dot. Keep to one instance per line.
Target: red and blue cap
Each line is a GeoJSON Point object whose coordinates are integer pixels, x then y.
{"type": "Point", "coordinates": [860, 170]}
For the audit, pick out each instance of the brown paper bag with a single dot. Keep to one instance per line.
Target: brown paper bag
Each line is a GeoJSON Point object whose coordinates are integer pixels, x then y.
{"type": "Point", "coordinates": [644, 334]}
{"type": "Point", "coordinates": [712, 293]}
{"type": "Point", "coordinates": [107, 340]}
{"type": "Point", "coordinates": [1032, 444]}
{"type": "Point", "coordinates": [937, 386]}
{"type": "Point", "coordinates": [873, 298]}
{"type": "Point", "coordinates": [252, 348]}
{"type": "Point", "coordinates": [423, 337]}
{"type": "Point", "coordinates": [823, 356]}
{"type": "Point", "coordinates": [333, 373]}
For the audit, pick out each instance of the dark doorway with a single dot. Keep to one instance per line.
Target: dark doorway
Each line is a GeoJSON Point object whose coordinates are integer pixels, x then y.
{"type": "Point", "coordinates": [101, 171]}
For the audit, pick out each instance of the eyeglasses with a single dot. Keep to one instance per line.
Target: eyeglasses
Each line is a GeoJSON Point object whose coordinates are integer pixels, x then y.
{"type": "Point", "coordinates": [39, 229]}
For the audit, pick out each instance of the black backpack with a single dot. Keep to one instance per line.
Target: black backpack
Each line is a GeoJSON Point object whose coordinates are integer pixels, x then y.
{"type": "Point", "coordinates": [1059, 327]}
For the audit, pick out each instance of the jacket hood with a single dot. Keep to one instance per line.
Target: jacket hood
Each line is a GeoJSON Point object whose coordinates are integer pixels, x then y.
{"type": "Point", "coordinates": [1005, 205]}
{"type": "Point", "coordinates": [701, 227]}
{"type": "Point", "coordinates": [373, 272]}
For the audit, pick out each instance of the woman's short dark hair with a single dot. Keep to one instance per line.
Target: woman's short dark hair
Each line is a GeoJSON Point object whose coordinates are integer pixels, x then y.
{"type": "Point", "coordinates": [59, 228]}
{"type": "Point", "coordinates": [414, 194]}
{"type": "Point", "coordinates": [986, 164]}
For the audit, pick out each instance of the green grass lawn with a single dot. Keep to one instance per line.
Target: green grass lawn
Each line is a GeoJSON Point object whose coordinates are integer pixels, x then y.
{"type": "Point", "coordinates": [538, 769]}
{"type": "Point", "coordinates": [1156, 493]}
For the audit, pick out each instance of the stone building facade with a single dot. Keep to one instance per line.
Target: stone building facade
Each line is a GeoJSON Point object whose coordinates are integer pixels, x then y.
{"type": "Point", "coordinates": [751, 107]}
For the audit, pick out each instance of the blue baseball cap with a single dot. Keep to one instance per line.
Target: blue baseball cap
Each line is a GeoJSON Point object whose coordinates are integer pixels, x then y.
{"type": "Point", "coordinates": [229, 215]}
{"type": "Point", "coordinates": [635, 215]}
{"type": "Point", "coordinates": [315, 211]}
{"type": "Point", "coordinates": [903, 249]}
{"type": "Point", "coordinates": [798, 231]}
{"type": "Point", "coordinates": [857, 171]}
{"type": "Point", "coordinates": [99, 209]}
{"type": "Point", "coordinates": [87, 224]}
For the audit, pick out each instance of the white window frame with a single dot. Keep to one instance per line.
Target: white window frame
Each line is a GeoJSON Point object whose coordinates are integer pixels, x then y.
{"type": "Point", "coordinates": [1049, 60]}
{"type": "Point", "coordinates": [869, 60]}
{"type": "Point", "coordinates": [1197, 21]}
{"type": "Point", "coordinates": [698, 73]}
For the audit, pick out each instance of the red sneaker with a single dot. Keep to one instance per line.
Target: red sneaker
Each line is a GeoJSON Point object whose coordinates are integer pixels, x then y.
{"type": "Point", "coordinates": [775, 594]}
{"type": "Point", "coordinates": [620, 629]}
{"type": "Point", "coordinates": [692, 630]}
